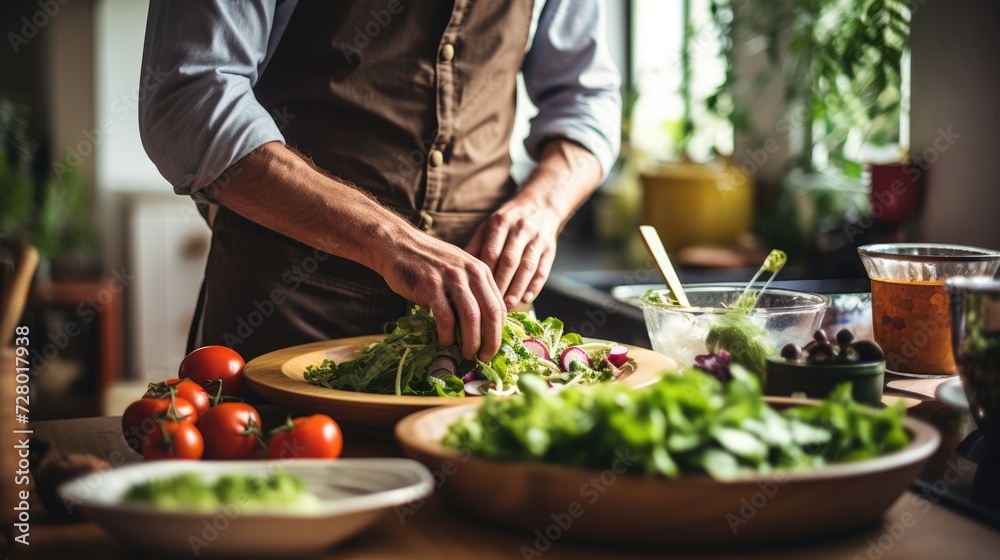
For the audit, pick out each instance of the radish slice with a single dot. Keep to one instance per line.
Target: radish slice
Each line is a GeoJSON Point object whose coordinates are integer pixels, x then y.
{"type": "Point", "coordinates": [538, 348]}
{"type": "Point", "coordinates": [475, 387]}
{"type": "Point", "coordinates": [573, 354]}
{"type": "Point", "coordinates": [618, 355]}
{"type": "Point", "coordinates": [443, 365]}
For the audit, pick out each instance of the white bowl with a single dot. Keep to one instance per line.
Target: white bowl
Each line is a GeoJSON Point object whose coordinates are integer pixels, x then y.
{"type": "Point", "coordinates": [353, 493]}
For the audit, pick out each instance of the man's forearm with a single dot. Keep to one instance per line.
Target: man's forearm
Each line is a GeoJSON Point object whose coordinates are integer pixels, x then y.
{"type": "Point", "coordinates": [566, 175]}
{"type": "Point", "coordinates": [278, 189]}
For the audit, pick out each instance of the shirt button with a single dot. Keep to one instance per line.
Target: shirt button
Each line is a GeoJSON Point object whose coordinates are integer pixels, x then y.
{"type": "Point", "coordinates": [447, 52]}
{"type": "Point", "coordinates": [437, 158]}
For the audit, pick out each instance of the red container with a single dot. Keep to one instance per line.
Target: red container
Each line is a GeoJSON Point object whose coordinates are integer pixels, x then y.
{"type": "Point", "coordinates": [895, 192]}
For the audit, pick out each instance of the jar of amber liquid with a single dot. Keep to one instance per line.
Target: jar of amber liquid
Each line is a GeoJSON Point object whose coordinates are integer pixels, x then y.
{"type": "Point", "coordinates": [910, 313]}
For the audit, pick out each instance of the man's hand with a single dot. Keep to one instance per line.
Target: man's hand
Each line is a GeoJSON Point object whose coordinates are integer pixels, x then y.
{"type": "Point", "coordinates": [278, 189]}
{"type": "Point", "coordinates": [518, 242]}
{"type": "Point", "coordinates": [454, 284]}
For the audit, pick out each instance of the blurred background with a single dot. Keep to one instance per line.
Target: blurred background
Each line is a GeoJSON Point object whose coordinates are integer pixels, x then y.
{"type": "Point", "coordinates": [810, 126]}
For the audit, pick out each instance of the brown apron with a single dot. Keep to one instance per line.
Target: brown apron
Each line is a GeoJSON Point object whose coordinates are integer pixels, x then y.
{"type": "Point", "coordinates": [411, 100]}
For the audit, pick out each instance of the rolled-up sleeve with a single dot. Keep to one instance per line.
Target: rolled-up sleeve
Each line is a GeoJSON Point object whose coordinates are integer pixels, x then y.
{"type": "Point", "coordinates": [200, 115]}
{"type": "Point", "coordinates": [572, 80]}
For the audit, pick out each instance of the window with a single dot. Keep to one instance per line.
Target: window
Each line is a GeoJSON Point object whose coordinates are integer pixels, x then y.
{"type": "Point", "coordinates": [657, 46]}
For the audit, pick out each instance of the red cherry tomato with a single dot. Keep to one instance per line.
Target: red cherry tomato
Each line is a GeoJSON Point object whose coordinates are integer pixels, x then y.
{"type": "Point", "coordinates": [185, 389]}
{"type": "Point", "coordinates": [315, 437]}
{"type": "Point", "coordinates": [209, 365]}
{"type": "Point", "coordinates": [140, 417]}
{"type": "Point", "coordinates": [173, 440]}
{"type": "Point", "coordinates": [231, 431]}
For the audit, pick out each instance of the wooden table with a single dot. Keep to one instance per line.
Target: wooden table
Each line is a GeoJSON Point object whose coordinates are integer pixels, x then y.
{"type": "Point", "coordinates": [435, 531]}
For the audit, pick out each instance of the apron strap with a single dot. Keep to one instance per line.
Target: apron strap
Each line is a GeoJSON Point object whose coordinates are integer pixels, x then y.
{"type": "Point", "coordinates": [209, 212]}
{"type": "Point", "coordinates": [195, 329]}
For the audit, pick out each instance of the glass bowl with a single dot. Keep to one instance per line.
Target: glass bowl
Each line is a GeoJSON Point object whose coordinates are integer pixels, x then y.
{"type": "Point", "coordinates": [679, 332]}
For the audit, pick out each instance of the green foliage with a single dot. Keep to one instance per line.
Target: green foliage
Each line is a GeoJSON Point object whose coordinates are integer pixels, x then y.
{"type": "Point", "coordinates": [16, 181]}
{"type": "Point", "coordinates": [400, 362]}
{"type": "Point", "coordinates": [50, 211]}
{"type": "Point", "coordinates": [735, 333]}
{"type": "Point", "coordinates": [396, 364]}
{"type": "Point", "coordinates": [688, 422]}
{"type": "Point", "coordinates": [842, 62]}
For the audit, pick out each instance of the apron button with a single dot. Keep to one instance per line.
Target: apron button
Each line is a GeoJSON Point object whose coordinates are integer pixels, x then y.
{"type": "Point", "coordinates": [447, 52]}
{"type": "Point", "coordinates": [437, 158]}
{"type": "Point", "coordinates": [426, 221]}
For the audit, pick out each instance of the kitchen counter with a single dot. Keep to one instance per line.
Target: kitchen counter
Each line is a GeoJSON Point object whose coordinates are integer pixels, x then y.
{"type": "Point", "coordinates": [915, 527]}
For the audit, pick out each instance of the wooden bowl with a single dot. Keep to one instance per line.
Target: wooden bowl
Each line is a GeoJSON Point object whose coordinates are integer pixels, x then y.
{"type": "Point", "coordinates": [695, 510]}
{"type": "Point", "coordinates": [279, 377]}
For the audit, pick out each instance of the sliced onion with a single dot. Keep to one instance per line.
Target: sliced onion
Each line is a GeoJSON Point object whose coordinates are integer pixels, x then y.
{"type": "Point", "coordinates": [475, 387]}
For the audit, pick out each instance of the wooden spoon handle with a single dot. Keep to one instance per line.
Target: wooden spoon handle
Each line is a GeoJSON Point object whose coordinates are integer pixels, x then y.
{"type": "Point", "coordinates": [662, 261]}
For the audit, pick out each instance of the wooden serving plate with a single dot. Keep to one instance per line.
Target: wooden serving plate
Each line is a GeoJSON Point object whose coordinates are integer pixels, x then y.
{"type": "Point", "coordinates": [692, 511]}
{"type": "Point", "coordinates": [279, 377]}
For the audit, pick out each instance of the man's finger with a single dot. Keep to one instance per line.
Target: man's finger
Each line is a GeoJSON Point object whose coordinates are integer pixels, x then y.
{"type": "Point", "coordinates": [476, 243]}
{"type": "Point", "coordinates": [524, 274]}
{"type": "Point", "coordinates": [541, 275]}
{"type": "Point", "coordinates": [511, 257]}
{"type": "Point", "coordinates": [493, 244]}
{"type": "Point", "coordinates": [491, 317]}
{"type": "Point", "coordinates": [468, 312]}
{"type": "Point", "coordinates": [444, 317]}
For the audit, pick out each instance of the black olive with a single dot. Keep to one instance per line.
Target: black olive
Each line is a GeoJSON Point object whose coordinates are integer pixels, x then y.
{"type": "Point", "coordinates": [808, 347]}
{"type": "Point", "coordinates": [821, 354]}
{"type": "Point", "coordinates": [820, 337]}
{"type": "Point", "coordinates": [848, 355]}
{"type": "Point", "coordinates": [868, 351]}
{"type": "Point", "coordinates": [844, 337]}
{"type": "Point", "coordinates": [791, 351]}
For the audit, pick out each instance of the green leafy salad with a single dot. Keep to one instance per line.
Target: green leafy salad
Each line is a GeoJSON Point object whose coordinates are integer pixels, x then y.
{"type": "Point", "coordinates": [688, 422]}
{"type": "Point", "coordinates": [192, 492]}
{"type": "Point", "coordinates": [409, 360]}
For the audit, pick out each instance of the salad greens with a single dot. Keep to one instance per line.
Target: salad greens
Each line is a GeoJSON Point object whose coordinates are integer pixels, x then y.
{"type": "Point", "coordinates": [406, 361]}
{"type": "Point", "coordinates": [747, 342]}
{"type": "Point", "coordinates": [190, 491]}
{"type": "Point", "coordinates": [396, 364]}
{"type": "Point", "coordinates": [687, 422]}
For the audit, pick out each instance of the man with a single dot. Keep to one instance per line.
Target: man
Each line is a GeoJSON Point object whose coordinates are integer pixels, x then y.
{"type": "Point", "coordinates": [323, 131]}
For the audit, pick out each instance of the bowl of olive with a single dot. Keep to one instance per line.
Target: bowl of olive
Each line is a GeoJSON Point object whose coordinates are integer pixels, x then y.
{"type": "Point", "coordinates": [821, 365]}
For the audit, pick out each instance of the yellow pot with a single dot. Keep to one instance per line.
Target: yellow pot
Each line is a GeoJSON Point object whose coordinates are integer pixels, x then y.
{"type": "Point", "coordinates": [691, 204]}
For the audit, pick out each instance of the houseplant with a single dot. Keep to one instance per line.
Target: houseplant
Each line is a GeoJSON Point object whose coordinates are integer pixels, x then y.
{"type": "Point", "coordinates": [839, 66]}
{"type": "Point", "coordinates": [38, 206]}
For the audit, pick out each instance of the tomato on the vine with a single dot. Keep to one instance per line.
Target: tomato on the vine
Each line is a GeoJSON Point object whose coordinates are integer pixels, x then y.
{"type": "Point", "coordinates": [140, 417]}
{"type": "Point", "coordinates": [173, 440]}
{"type": "Point", "coordinates": [210, 365]}
{"type": "Point", "coordinates": [231, 431]}
{"type": "Point", "coordinates": [183, 388]}
{"type": "Point", "coordinates": [316, 436]}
